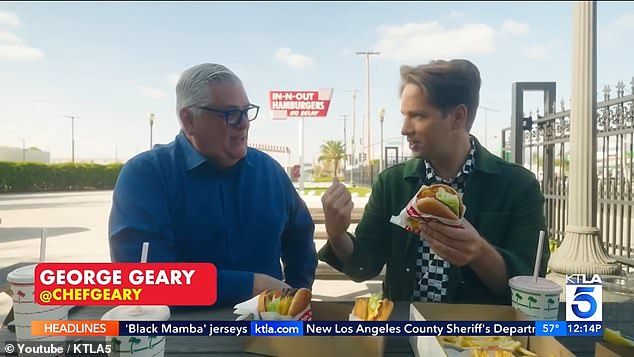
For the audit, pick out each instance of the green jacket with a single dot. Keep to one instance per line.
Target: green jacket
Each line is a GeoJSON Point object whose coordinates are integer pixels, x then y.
{"type": "Point", "coordinates": [503, 202]}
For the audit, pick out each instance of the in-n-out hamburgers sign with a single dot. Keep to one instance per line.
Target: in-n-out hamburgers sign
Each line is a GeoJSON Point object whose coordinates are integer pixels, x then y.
{"type": "Point", "coordinates": [300, 104]}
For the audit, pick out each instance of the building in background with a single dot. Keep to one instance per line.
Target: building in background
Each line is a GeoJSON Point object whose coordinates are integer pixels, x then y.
{"type": "Point", "coordinates": [24, 155]}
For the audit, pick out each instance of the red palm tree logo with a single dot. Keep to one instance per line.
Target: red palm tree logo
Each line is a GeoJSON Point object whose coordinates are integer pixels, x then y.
{"type": "Point", "coordinates": [20, 296]}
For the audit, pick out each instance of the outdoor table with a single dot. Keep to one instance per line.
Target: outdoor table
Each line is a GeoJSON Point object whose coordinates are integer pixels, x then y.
{"type": "Point", "coordinates": [618, 316]}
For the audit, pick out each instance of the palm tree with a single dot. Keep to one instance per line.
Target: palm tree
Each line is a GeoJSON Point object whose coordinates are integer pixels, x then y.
{"type": "Point", "coordinates": [333, 151]}
{"type": "Point", "coordinates": [518, 297]}
{"type": "Point", "coordinates": [531, 300]}
{"type": "Point", "coordinates": [550, 302]}
{"type": "Point", "coordinates": [117, 344]}
{"type": "Point", "coordinates": [133, 341]}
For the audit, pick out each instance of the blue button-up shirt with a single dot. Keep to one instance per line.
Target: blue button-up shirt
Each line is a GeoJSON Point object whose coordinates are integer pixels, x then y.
{"type": "Point", "coordinates": [246, 219]}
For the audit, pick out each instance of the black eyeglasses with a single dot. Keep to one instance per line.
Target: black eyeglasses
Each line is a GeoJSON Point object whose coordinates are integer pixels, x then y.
{"type": "Point", "coordinates": [233, 117]}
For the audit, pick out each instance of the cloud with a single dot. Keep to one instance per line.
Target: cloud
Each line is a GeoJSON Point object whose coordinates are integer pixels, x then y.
{"type": "Point", "coordinates": [617, 33]}
{"type": "Point", "coordinates": [173, 78]}
{"type": "Point", "coordinates": [456, 14]}
{"type": "Point", "coordinates": [542, 50]}
{"type": "Point", "coordinates": [20, 52]}
{"type": "Point", "coordinates": [425, 41]}
{"type": "Point", "coordinates": [9, 38]}
{"type": "Point", "coordinates": [12, 47]}
{"type": "Point", "coordinates": [514, 28]}
{"type": "Point", "coordinates": [293, 60]}
{"type": "Point", "coordinates": [9, 18]}
{"type": "Point", "coordinates": [152, 92]}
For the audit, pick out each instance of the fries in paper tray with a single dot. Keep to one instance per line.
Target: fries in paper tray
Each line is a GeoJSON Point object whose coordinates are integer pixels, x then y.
{"type": "Point", "coordinates": [483, 346]}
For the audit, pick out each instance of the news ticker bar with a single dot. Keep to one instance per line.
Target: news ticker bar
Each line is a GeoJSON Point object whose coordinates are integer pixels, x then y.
{"type": "Point", "coordinates": [316, 328]}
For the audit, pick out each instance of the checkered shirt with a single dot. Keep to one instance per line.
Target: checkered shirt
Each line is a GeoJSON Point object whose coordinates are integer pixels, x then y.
{"type": "Point", "coordinates": [431, 270]}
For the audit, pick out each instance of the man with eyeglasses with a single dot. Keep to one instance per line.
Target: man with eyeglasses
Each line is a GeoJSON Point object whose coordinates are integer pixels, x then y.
{"type": "Point", "coordinates": [206, 197]}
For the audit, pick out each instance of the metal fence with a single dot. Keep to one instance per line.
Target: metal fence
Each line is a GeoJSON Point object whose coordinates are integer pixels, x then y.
{"type": "Point", "coordinates": [544, 149]}
{"type": "Point", "coordinates": [365, 175]}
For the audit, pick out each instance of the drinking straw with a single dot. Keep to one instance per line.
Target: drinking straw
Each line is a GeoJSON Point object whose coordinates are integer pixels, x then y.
{"type": "Point", "coordinates": [144, 250]}
{"type": "Point", "coordinates": [538, 256]}
{"type": "Point", "coordinates": [43, 234]}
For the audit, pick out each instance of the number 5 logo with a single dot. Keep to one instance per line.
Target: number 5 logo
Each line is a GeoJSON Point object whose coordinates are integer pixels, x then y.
{"type": "Point", "coordinates": [581, 295]}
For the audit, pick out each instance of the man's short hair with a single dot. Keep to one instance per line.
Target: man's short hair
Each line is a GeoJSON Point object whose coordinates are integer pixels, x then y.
{"type": "Point", "coordinates": [447, 84]}
{"type": "Point", "coordinates": [192, 88]}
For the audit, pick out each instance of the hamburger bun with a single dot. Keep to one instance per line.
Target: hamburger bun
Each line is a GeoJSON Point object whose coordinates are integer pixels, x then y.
{"type": "Point", "coordinates": [289, 302]}
{"type": "Point", "coordinates": [428, 203]}
{"type": "Point", "coordinates": [363, 310]}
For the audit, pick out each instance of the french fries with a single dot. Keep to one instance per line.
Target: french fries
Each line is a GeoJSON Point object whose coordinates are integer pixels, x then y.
{"type": "Point", "coordinates": [488, 346]}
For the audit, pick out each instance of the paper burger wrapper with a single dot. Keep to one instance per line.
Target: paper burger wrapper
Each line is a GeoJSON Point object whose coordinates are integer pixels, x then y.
{"type": "Point", "coordinates": [411, 219]}
{"type": "Point", "coordinates": [250, 307]}
{"type": "Point", "coordinates": [352, 317]}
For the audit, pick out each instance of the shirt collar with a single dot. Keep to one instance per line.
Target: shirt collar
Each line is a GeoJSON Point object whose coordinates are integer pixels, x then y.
{"type": "Point", "coordinates": [467, 166]}
{"type": "Point", "coordinates": [193, 158]}
{"type": "Point", "coordinates": [484, 161]}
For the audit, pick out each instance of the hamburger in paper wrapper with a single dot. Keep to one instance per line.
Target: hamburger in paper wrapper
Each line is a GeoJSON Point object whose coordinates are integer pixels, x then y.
{"type": "Point", "coordinates": [373, 308]}
{"type": "Point", "coordinates": [277, 305]}
{"type": "Point", "coordinates": [439, 203]}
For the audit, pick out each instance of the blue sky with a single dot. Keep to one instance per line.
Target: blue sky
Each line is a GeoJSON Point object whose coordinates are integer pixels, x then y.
{"type": "Point", "coordinates": [114, 63]}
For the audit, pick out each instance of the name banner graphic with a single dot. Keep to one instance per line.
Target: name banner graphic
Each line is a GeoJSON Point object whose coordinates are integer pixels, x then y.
{"type": "Point", "coordinates": [174, 284]}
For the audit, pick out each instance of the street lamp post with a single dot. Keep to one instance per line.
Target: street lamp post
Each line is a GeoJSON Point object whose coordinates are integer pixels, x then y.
{"type": "Point", "coordinates": [151, 118]}
{"type": "Point", "coordinates": [381, 117]}
{"type": "Point", "coordinates": [72, 126]}
{"type": "Point", "coordinates": [486, 111]}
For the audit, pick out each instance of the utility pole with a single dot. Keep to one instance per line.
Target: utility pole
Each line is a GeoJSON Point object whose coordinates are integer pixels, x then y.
{"type": "Point", "coordinates": [486, 111]}
{"type": "Point", "coordinates": [345, 147]}
{"type": "Point", "coordinates": [368, 140]}
{"type": "Point", "coordinates": [381, 117]}
{"type": "Point", "coordinates": [72, 125]}
{"type": "Point", "coordinates": [353, 144]}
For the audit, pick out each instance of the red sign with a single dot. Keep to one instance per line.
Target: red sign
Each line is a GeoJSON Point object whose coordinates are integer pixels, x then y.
{"type": "Point", "coordinates": [125, 284]}
{"type": "Point", "coordinates": [299, 104]}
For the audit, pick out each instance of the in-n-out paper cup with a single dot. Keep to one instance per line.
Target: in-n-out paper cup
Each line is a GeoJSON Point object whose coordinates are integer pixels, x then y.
{"type": "Point", "coordinates": [25, 309]}
{"type": "Point", "coordinates": [538, 299]}
{"type": "Point", "coordinates": [137, 346]}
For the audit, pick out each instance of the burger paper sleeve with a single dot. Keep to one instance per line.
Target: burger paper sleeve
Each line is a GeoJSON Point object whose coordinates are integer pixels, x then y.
{"type": "Point", "coordinates": [250, 307]}
{"type": "Point", "coordinates": [247, 307]}
{"type": "Point", "coordinates": [411, 219]}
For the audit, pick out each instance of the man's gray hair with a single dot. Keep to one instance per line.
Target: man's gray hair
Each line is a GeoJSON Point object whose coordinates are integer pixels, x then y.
{"type": "Point", "coordinates": [192, 88]}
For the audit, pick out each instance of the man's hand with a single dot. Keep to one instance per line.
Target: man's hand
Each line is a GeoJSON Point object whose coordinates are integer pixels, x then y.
{"type": "Point", "coordinates": [263, 282]}
{"type": "Point", "coordinates": [458, 246]}
{"type": "Point", "coordinates": [465, 246]}
{"type": "Point", "coordinates": [337, 204]}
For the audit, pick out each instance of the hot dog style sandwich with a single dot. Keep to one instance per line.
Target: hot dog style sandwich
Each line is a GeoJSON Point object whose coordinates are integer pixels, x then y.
{"type": "Point", "coordinates": [289, 302]}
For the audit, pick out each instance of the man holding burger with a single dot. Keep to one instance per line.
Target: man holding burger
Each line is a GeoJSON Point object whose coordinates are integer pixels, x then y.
{"type": "Point", "coordinates": [502, 201]}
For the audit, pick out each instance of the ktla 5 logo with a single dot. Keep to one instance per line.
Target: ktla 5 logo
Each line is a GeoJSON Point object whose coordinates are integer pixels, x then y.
{"type": "Point", "coordinates": [584, 298]}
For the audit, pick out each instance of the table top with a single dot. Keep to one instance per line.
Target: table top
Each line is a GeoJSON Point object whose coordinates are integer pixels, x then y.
{"type": "Point", "coordinates": [619, 316]}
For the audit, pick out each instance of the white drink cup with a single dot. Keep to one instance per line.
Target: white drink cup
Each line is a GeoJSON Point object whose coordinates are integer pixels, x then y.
{"type": "Point", "coordinates": [537, 298]}
{"type": "Point", "coordinates": [25, 309]}
{"type": "Point", "coordinates": [137, 346]}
